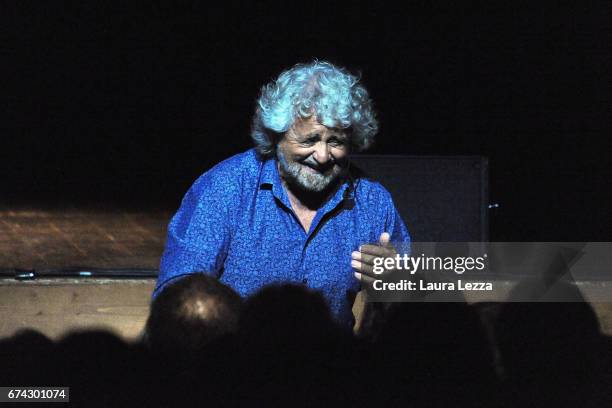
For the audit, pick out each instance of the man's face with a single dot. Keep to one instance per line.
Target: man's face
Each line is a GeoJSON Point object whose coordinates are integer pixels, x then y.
{"type": "Point", "coordinates": [311, 155]}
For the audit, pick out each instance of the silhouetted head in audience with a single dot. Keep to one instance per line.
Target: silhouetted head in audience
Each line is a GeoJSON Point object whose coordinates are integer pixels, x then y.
{"type": "Point", "coordinates": [434, 354]}
{"type": "Point", "coordinates": [191, 313]}
{"type": "Point", "coordinates": [537, 340]}
{"type": "Point", "coordinates": [290, 342]}
{"type": "Point", "coordinates": [281, 312]}
{"type": "Point", "coordinates": [25, 358]}
{"type": "Point", "coordinates": [88, 361]}
{"type": "Point", "coordinates": [552, 350]}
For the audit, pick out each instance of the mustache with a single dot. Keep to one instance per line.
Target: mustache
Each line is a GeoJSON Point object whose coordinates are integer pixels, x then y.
{"type": "Point", "coordinates": [310, 162]}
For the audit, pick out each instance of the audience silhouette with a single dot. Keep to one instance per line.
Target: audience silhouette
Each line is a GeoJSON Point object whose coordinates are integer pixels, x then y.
{"type": "Point", "coordinates": [204, 346]}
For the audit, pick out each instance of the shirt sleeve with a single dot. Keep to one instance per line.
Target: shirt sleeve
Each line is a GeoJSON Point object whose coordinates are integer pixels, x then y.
{"type": "Point", "coordinates": [200, 231]}
{"type": "Point", "coordinates": [395, 226]}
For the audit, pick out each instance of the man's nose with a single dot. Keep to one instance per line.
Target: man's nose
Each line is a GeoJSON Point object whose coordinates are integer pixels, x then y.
{"type": "Point", "coordinates": [321, 153]}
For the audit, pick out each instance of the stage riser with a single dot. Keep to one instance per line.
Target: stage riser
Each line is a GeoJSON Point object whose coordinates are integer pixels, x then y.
{"type": "Point", "coordinates": [56, 306]}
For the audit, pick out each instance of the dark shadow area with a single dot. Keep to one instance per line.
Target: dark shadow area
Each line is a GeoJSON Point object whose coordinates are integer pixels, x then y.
{"type": "Point", "coordinates": [282, 347]}
{"type": "Point", "coordinates": [125, 105]}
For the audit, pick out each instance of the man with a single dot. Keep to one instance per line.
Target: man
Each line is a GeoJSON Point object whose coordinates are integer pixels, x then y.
{"type": "Point", "coordinates": [290, 210]}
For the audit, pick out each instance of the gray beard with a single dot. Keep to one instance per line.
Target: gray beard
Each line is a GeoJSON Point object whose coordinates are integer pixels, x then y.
{"type": "Point", "coordinates": [294, 173]}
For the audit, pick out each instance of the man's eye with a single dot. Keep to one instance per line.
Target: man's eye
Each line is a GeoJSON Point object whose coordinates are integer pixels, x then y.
{"type": "Point", "coordinates": [337, 143]}
{"type": "Point", "coordinates": [307, 143]}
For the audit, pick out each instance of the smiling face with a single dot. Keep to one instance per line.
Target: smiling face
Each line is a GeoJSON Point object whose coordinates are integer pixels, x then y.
{"type": "Point", "coordinates": [311, 155]}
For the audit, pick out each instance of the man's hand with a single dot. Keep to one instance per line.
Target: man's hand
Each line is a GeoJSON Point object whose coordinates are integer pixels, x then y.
{"type": "Point", "coordinates": [363, 260]}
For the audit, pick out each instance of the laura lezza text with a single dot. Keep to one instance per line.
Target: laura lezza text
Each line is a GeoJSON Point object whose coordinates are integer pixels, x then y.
{"type": "Point", "coordinates": [421, 284]}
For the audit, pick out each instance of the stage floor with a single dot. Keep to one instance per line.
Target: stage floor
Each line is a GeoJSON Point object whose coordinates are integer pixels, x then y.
{"type": "Point", "coordinates": [50, 239]}
{"type": "Point", "coordinates": [60, 239]}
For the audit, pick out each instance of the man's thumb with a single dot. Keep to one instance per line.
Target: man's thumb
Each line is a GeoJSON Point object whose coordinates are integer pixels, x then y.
{"type": "Point", "coordinates": [384, 239]}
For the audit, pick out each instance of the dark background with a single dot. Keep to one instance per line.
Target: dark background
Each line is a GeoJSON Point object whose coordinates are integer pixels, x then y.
{"type": "Point", "coordinates": [124, 104]}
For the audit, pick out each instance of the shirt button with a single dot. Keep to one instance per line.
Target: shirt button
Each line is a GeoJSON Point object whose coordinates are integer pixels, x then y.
{"type": "Point", "coordinates": [304, 281]}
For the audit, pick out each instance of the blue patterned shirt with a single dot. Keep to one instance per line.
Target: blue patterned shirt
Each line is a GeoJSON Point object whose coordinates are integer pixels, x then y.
{"type": "Point", "coordinates": [236, 223]}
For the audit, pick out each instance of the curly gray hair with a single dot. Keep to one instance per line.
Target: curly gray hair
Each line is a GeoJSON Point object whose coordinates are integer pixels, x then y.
{"type": "Point", "coordinates": [319, 88]}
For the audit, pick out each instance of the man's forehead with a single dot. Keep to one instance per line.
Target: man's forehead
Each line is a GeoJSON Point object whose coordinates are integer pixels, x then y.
{"type": "Point", "coordinates": [310, 125]}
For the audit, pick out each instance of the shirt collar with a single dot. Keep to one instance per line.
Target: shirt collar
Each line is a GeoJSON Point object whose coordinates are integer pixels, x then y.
{"type": "Point", "coordinates": [270, 178]}
{"type": "Point", "coordinates": [269, 173]}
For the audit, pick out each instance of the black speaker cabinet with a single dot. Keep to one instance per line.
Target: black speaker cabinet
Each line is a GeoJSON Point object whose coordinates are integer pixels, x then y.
{"type": "Point", "coordinates": [440, 198]}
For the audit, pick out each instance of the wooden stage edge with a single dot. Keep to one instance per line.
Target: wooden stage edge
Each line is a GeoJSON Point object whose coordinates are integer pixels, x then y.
{"type": "Point", "coordinates": [58, 306]}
